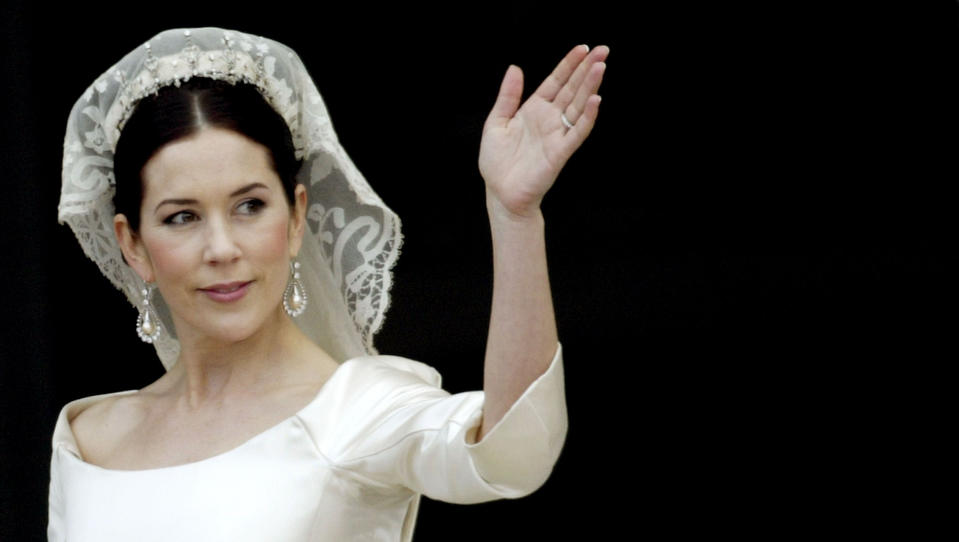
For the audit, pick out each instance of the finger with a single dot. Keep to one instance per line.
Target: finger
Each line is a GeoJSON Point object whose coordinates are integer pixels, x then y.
{"type": "Point", "coordinates": [582, 77]}
{"type": "Point", "coordinates": [561, 74]}
{"type": "Point", "coordinates": [510, 94]}
{"type": "Point", "coordinates": [584, 125]}
{"type": "Point", "coordinates": [589, 87]}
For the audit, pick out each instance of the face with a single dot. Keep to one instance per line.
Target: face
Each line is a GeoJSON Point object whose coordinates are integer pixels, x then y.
{"type": "Point", "coordinates": [216, 235]}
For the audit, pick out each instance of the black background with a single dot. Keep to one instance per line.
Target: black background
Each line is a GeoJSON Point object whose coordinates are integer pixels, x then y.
{"type": "Point", "coordinates": [752, 256]}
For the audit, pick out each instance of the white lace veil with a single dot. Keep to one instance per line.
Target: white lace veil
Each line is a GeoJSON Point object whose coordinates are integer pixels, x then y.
{"type": "Point", "coordinates": [352, 239]}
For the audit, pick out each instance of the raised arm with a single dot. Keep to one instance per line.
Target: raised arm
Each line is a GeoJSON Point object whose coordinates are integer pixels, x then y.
{"type": "Point", "coordinates": [522, 152]}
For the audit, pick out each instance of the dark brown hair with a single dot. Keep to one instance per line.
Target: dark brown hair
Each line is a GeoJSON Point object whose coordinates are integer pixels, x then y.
{"type": "Point", "coordinates": [175, 112]}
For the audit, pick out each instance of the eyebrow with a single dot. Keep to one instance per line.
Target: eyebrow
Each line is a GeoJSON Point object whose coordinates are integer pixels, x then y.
{"type": "Point", "coordinates": [238, 192]}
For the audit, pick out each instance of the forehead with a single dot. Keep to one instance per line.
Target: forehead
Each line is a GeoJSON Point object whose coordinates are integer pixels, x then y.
{"type": "Point", "coordinates": [210, 160]}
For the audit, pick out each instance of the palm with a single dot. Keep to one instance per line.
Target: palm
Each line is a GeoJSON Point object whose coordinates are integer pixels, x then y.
{"type": "Point", "coordinates": [524, 148]}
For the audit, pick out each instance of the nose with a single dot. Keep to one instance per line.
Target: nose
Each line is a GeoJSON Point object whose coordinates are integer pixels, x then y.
{"type": "Point", "coordinates": [221, 243]}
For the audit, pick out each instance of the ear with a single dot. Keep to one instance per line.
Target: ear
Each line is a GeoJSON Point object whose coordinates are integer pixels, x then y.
{"type": "Point", "coordinates": [132, 247]}
{"type": "Point", "coordinates": [297, 220]}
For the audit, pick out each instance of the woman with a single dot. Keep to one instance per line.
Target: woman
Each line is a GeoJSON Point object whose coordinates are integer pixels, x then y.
{"type": "Point", "coordinates": [260, 261]}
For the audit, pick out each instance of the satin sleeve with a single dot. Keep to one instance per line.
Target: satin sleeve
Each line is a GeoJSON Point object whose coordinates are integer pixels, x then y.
{"type": "Point", "coordinates": [408, 432]}
{"type": "Point", "coordinates": [55, 528]}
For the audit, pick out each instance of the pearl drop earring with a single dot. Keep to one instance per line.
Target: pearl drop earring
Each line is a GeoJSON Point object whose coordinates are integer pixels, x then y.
{"type": "Point", "coordinates": [294, 298]}
{"type": "Point", "coordinates": [148, 325]}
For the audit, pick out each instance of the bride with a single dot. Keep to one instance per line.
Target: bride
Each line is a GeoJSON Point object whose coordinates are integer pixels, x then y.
{"type": "Point", "coordinates": [203, 176]}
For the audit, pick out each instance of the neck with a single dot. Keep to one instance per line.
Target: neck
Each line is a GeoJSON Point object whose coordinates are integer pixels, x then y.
{"type": "Point", "coordinates": [211, 371]}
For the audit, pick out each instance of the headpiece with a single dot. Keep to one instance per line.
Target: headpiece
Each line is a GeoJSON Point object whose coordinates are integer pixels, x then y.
{"type": "Point", "coordinates": [352, 238]}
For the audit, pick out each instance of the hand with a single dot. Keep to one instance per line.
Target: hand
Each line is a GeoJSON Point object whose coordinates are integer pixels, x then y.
{"type": "Point", "coordinates": [524, 148]}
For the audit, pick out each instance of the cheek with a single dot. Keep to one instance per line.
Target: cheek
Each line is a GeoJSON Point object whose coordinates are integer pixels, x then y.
{"type": "Point", "coordinates": [170, 258]}
{"type": "Point", "coordinates": [277, 239]}
{"type": "Point", "coordinates": [267, 242]}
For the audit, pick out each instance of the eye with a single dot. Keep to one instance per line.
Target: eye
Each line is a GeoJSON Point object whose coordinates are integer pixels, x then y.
{"type": "Point", "coordinates": [181, 217]}
{"type": "Point", "coordinates": [251, 206]}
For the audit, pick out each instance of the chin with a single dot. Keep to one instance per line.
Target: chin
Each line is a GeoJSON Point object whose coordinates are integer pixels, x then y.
{"type": "Point", "coordinates": [234, 329]}
{"type": "Point", "coordinates": [242, 331]}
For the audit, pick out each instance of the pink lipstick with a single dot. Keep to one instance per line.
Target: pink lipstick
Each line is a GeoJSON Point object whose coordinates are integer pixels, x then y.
{"type": "Point", "coordinates": [227, 292]}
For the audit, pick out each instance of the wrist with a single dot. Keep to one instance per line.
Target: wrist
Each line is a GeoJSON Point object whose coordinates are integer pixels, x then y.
{"type": "Point", "coordinates": [504, 215]}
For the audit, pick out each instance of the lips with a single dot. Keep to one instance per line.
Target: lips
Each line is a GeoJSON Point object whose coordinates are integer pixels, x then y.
{"type": "Point", "coordinates": [227, 292]}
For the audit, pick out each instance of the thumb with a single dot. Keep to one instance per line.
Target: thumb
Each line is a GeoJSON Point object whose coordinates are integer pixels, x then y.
{"type": "Point", "coordinates": [510, 93]}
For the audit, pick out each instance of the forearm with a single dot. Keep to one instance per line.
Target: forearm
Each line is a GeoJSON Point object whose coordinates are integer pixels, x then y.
{"type": "Point", "coordinates": [522, 334]}
{"type": "Point", "coordinates": [522, 151]}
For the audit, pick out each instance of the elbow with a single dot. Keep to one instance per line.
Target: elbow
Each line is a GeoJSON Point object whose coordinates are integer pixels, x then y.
{"type": "Point", "coordinates": [517, 455]}
{"type": "Point", "coordinates": [516, 458]}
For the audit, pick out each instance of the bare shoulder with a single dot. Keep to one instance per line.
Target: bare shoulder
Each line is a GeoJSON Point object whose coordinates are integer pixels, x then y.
{"type": "Point", "coordinates": [102, 426]}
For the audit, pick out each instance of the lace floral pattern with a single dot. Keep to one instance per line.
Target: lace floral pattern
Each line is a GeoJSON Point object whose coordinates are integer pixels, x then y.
{"type": "Point", "coordinates": [353, 238]}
